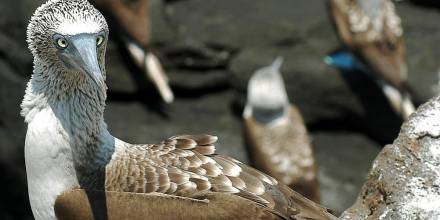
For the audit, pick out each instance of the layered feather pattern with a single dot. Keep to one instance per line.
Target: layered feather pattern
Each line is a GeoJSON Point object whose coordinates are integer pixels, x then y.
{"type": "Point", "coordinates": [186, 165]}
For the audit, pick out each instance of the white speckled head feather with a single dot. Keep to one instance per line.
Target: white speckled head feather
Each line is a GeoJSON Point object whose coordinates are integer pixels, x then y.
{"type": "Point", "coordinates": [58, 16]}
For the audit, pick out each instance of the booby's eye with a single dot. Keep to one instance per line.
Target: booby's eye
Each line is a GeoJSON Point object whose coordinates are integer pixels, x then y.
{"type": "Point", "coordinates": [61, 42]}
{"type": "Point", "coordinates": [99, 40]}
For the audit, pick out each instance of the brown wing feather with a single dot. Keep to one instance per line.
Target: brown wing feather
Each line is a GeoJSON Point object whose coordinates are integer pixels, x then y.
{"type": "Point", "coordinates": [177, 166]}
{"type": "Point", "coordinates": [382, 50]}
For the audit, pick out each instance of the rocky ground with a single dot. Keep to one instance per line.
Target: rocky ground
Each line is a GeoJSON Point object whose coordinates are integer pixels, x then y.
{"type": "Point", "coordinates": [210, 48]}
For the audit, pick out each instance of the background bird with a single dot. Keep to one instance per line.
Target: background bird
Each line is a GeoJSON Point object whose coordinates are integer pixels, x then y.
{"type": "Point", "coordinates": [371, 29]}
{"type": "Point", "coordinates": [68, 145]}
{"type": "Point", "coordinates": [133, 25]}
{"type": "Point", "coordinates": [276, 133]}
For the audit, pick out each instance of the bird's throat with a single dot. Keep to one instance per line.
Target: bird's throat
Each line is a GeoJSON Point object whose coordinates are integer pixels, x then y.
{"type": "Point", "coordinates": [75, 102]}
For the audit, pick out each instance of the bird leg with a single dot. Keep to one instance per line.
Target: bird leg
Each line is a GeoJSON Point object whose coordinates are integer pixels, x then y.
{"type": "Point", "coordinates": [400, 102]}
{"type": "Point", "coordinates": [153, 69]}
{"type": "Point", "coordinates": [158, 77]}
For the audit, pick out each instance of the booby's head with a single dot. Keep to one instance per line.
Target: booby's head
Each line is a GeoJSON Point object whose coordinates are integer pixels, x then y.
{"type": "Point", "coordinates": [70, 36]}
{"type": "Point", "coordinates": [267, 98]}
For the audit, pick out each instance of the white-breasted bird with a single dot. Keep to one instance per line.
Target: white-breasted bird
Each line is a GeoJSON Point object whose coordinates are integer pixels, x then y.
{"type": "Point", "coordinates": [372, 30]}
{"type": "Point", "coordinates": [68, 145]}
{"type": "Point", "coordinates": [276, 133]}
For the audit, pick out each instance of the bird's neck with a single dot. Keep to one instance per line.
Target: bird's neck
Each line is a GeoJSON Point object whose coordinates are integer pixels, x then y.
{"type": "Point", "coordinates": [266, 115]}
{"type": "Point", "coordinates": [77, 104]}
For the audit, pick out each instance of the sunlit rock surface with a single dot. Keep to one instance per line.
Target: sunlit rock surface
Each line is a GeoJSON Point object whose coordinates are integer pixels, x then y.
{"type": "Point", "coordinates": [404, 181]}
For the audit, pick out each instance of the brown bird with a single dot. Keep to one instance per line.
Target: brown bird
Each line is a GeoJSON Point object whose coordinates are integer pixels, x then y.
{"type": "Point", "coordinates": [133, 23]}
{"type": "Point", "coordinates": [68, 144]}
{"type": "Point", "coordinates": [276, 133]}
{"type": "Point", "coordinates": [372, 30]}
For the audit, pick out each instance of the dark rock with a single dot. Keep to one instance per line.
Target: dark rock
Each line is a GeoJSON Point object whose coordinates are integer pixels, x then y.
{"type": "Point", "coordinates": [343, 160]}
{"type": "Point", "coordinates": [14, 199]}
{"type": "Point", "coordinates": [421, 34]}
{"type": "Point", "coordinates": [198, 57]}
{"type": "Point", "coordinates": [185, 82]}
{"type": "Point", "coordinates": [427, 3]}
{"type": "Point", "coordinates": [122, 74]}
{"type": "Point", "coordinates": [163, 30]}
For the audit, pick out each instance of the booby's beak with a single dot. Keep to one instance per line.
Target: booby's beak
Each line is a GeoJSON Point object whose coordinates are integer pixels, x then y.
{"type": "Point", "coordinates": [81, 55]}
{"type": "Point", "coordinates": [277, 63]}
{"type": "Point", "coordinates": [87, 57]}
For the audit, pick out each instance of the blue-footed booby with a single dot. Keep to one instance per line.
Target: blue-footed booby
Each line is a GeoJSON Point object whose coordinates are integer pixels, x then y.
{"type": "Point", "coordinates": [372, 30]}
{"type": "Point", "coordinates": [134, 28]}
{"type": "Point", "coordinates": [68, 145]}
{"type": "Point", "coordinates": [276, 134]}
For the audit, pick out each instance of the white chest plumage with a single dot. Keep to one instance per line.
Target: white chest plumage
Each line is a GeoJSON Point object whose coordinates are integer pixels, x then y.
{"type": "Point", "coordinates": [49, 165]}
